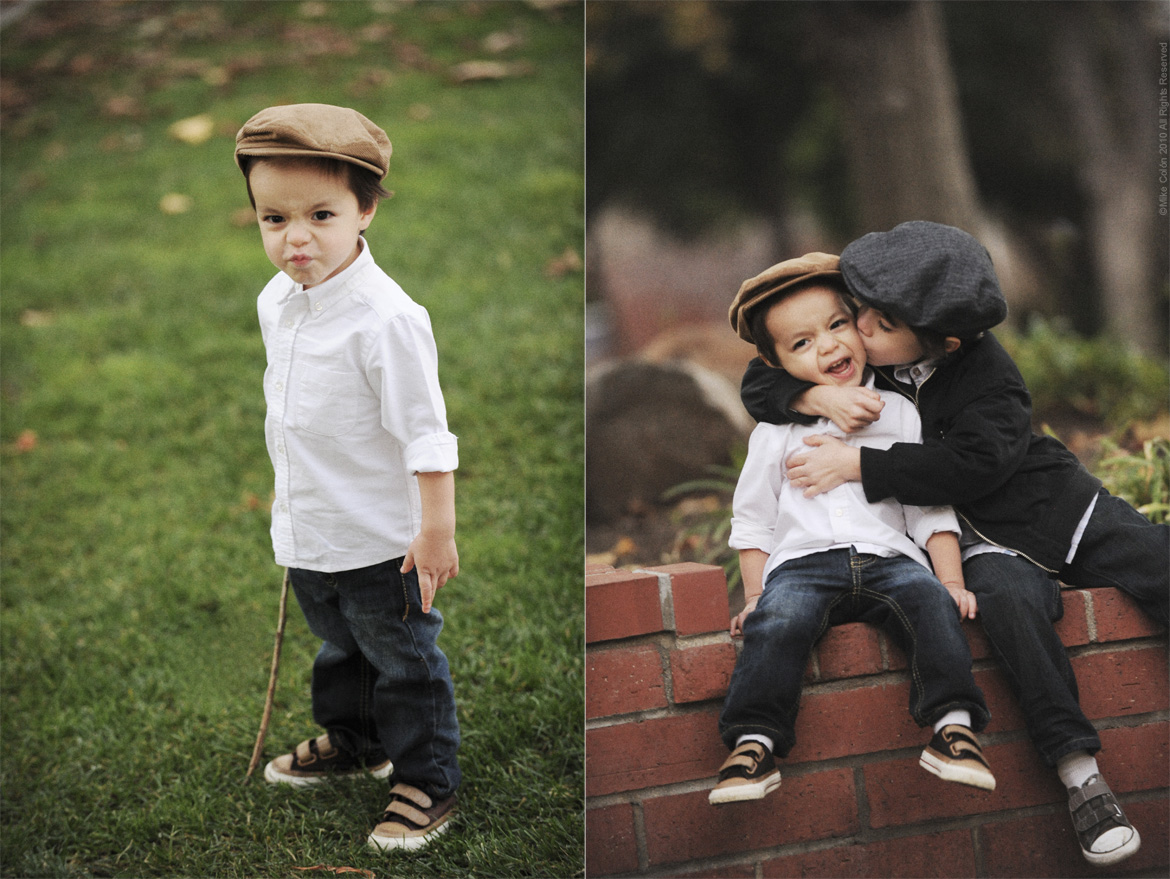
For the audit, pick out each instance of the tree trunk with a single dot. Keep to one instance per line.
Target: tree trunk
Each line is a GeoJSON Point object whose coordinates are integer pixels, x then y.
{"type": "Point", "coordinates": [1115, 117]}
{"type": "Point", "coordinates": [889, 66]}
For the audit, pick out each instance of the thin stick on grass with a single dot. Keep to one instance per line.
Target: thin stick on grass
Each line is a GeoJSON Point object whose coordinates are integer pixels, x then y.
{"type": "Point", "coordinates": [258, 749]}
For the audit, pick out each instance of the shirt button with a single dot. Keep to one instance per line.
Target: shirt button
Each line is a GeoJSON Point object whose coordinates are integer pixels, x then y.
{"type": "Point", "coordinates": [280, 386]}
{"type": "Point", "coordinates": [317, 307]}
{"type": "Point", "coordinates": [839, 512]}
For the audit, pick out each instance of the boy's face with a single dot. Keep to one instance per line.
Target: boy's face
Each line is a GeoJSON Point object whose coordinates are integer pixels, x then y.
{"type": "Point", "coordinates": [888, 342]}
{"type": "Point", "coordinates": [309, 220]}
{"type": "Point", "coordinates": [816, 338]}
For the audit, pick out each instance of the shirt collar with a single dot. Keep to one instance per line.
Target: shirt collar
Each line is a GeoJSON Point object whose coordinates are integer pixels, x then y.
{"type": "Point", "coordinates": [915, 373]}
{"type": "Point", "coordinates": [327, 293]}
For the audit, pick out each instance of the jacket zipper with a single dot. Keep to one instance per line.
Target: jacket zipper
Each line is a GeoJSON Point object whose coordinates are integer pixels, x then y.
{"type": "Point", "coordinates": [978, 533]}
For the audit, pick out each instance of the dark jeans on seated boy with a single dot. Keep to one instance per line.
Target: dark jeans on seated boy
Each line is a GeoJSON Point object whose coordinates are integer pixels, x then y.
{"type": "Point", "coordinates": [805, 596]}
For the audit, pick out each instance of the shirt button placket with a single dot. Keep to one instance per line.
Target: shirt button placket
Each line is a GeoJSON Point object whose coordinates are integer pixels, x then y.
{"type": "Point", "coordinates": [282, 361]}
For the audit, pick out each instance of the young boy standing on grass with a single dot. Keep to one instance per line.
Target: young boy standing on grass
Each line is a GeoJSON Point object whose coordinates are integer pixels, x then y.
{"type": "Point", "coordinates": [1032, 514]}
{"type": "Point", "coordinates": [811, 563]}
{"type": "Point", "coordinates": [364, 516]}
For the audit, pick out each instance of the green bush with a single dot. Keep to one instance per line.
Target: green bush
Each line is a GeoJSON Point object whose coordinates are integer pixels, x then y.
{"type": "Point", "coordinates": [1100, 378]}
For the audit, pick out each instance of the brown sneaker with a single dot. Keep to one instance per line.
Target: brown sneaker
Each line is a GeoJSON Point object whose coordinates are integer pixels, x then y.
{"type": "Point", "coordinates": [412, 819]}
{"type": "Point", "coordinates": [315, 760]}
{"type": "Point", "coordinates": [954, 755]}
{"type": "Point", "coordinates": [749, 773]}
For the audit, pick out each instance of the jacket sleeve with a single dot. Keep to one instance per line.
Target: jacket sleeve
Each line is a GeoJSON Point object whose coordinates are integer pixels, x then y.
{"type": "Point", "coordinates": [977, 452]}
{"type": "Point", "coordinates": [768, 393]}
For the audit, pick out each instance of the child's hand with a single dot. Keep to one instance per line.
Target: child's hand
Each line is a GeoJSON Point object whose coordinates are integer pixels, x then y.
{"type": "Point", "coordinates": [965, 600]}
{"type": "Point", "coordinates": [828, 464]}
{"type": "Point", "coordinates": [437, 561]}
{"type": "Point", "coordinates": [850, 409]}
{"type": "Point", "coordinates": [737, 620]}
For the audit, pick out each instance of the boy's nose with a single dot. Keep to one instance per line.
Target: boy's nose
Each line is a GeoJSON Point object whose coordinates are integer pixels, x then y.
{"type": "Point", "coordinates": [298, 234]}
{"type": "Point", "coordinates": [865, 322]}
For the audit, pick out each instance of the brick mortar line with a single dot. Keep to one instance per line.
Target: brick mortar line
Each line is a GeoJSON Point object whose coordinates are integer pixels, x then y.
{"type": "Point", "coordinates": [853, 761]}
{"type": "Point", "coordinates": [756, 857]}
{"type": "Point", "coordinates": [842, 685]}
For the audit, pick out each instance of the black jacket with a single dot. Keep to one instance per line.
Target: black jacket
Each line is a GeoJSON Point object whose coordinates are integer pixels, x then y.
{"type": "Point", "coordinates": [978, 454]}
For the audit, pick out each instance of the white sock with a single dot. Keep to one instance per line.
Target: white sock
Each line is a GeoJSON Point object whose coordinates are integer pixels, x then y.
{"type": "Point", "coordinates": [1075, 768]}
{"type": "Point", "coordinates": [959, 716]}
{"type": "Point", "coordinates": [752, 737]}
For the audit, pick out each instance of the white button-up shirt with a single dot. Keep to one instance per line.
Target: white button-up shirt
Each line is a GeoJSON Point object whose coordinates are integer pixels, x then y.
{"type": "Point", "coordinates": [773, 515]}
{"type": "Point", "coordinates": [354, 412]}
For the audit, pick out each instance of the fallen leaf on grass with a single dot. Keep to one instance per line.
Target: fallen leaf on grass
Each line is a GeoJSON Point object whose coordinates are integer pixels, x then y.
{"type": "Point", "coordinates": [26, 442]}
{"type": "Point", "coordinates": [31, 317]}
{"type": "Point", "coordinates": [174, 203]}
{"type": "Point", "coordinates": [558, 267]}
{"type": "Point", "coordinates": [321, 868]}
{"type": "Point", "coordinates": [479, 71]}
{"type": "Point", "coordinates": [193, 129]}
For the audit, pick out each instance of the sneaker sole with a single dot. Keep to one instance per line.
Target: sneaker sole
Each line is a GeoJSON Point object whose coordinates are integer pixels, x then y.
{"type": "Point", "coordinates": [983, 780]}
{"type": "Point", "coordinates": [408, 843]}
{"type": "Point", "coordinates": [744, 792]}
{"type": "Point", "coordinates": [274, 776]}
{"type": "Point", "coordinates": [1104, 859]}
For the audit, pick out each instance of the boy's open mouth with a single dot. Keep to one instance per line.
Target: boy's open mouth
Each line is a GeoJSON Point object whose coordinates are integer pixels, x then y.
{"type": "Point", "coordinates": [841, 367]}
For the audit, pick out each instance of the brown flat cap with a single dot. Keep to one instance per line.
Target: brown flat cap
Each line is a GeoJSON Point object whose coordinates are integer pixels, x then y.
{"type": "Point", "coordinates": [316, 130]}
{"type": "Point", "coordinates": [755, 290]}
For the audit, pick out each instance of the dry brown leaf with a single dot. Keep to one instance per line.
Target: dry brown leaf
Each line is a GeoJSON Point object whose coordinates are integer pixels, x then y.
{"type": "Point", "coordinates": [479, 71]}
{"type": "Point", "coordinates": [30, 317]}
{"type": "Point", "coordinates": [26, 442]}
{"type": "Point", "coordinates": [193, 129]}
{"type": "Point", "coordinates": [567, 262]}
{"type": "Point", "coordinates": [175, 203]}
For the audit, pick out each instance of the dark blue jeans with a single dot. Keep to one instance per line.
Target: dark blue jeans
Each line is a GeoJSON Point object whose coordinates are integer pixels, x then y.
{"type": "Point", "coordinates": [805, 596]}
{"type": "Point", "coordinates": [1019, 602]}
{"type": "Point", "coordinates": [380, 682]}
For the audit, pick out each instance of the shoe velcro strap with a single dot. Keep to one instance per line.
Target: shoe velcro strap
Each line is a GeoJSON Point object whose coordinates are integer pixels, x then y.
{"type": "Point", "coordinates": [306, 752]}
{"type": "Point", "coordinates": [746, 755]}
{"type": "Point", "coordinates": [402, 808]}
{"type": "Point", "coordinates": [412, 794]}
{"type": "Point", "coordinates": [1092, 814]}
{"type": "Point", "coordinates": [1083, 794]}
{"type": "Point", "coordinates": [963, 744]}
{"type": "Point", "coordinates": [325, 747]}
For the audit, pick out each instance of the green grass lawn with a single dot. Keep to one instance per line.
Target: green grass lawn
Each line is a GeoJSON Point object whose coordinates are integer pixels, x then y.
{"type": "Point", "coordinates": [139, 594]}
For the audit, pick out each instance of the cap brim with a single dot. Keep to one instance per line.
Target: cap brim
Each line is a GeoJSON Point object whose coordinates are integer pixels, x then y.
{"type": "Point", "coordinates": [263, 152]}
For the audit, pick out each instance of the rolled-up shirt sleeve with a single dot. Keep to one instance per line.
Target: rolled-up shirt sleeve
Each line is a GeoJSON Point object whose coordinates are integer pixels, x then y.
{"type": "Point", "coordinates": [403, 365]}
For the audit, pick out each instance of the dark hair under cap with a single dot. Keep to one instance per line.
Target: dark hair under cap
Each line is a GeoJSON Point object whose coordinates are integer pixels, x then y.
{"type": "Point", "coordinates": [928, 276]}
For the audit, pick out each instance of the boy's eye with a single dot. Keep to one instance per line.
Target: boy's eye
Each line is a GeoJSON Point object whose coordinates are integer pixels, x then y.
{"type": "Point", "coordinates": [322, 215]}
{"type": "Point", "coordinates": [273, 218]}
{"type": "Point", "coordinates": [800, 343]}
{"type": "Point", "coordinates": [840, 322]}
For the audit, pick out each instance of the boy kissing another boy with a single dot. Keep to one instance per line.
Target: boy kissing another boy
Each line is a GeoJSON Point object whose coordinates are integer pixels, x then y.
{"type": "Point", "coordinates": [809, 563]}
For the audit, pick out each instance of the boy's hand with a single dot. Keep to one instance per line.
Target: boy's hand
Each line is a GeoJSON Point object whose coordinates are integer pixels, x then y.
{"type": "Point", "coordinates": [828, 464]}
{"type": "Point", "coordinates": [965, 600]}
{"type": "Point", "coordinates": [850, 409]}
{"type": "Point", "coordinates": [437, 561]}
{"type": "Point", "coordinates": [737, 620]}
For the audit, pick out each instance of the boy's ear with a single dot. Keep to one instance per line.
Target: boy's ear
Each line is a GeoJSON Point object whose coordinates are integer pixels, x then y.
{"type": "Point", "coordinates": [951, 344]}
{"type": "Point", "coordinates": [367, 217]}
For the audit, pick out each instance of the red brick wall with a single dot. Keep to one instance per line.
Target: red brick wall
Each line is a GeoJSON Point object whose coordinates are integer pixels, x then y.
{"type": "Point", "coordinates": [853, 801]}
